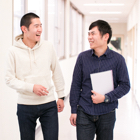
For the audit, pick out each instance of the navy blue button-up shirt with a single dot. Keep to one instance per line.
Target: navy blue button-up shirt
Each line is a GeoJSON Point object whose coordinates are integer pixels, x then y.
{"type": "Point", "coordinates": [88, 63]}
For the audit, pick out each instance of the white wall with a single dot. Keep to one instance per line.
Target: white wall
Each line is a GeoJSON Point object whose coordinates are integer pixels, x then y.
{"type": "Point", "coordinates": [119, 28]}
{"type": "Point", "coordinates": [8, 97]}
{"type": "Point", "coordinates": [132, 19]}
{"type": "Point", "coordinates": [65, 128]}
{"type": "Point", "coordinates": [138, 58]}
{"type": "Point", "coordinates": [67, 67]}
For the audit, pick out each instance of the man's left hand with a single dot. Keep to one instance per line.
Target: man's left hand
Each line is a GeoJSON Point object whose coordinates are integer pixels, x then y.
{"type": "Point", "coordinates": [97, 98]}
{"type": "Point", "coordinates": [60, 105]}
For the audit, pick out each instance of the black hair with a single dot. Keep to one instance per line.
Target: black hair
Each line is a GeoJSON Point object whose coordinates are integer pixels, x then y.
{"type": "Point", "coordinates": [26, 19]}
{"type": "Point", "coordinates": [103, 28]}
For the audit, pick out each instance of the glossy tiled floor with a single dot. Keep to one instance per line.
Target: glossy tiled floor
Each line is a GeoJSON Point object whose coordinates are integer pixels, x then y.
{"type": "Point", "coordinates": [128, 119]}
{"type": "Point", "coordinates": [127, 125]}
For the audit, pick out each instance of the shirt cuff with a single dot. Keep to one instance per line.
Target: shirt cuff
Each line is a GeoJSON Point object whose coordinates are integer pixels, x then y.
{"type": "Point", "coordinates": [74, 110]}
{"type": "Point", "coordinates": [60, 94]}
{"type": "Point", "coordinates": [29, 87]}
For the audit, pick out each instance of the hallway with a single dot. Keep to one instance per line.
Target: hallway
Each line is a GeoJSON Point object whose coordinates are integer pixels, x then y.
{"type": "Point", "coordinates": [66, 24]}
{"type": "Point", "coordinates": [127, 121]}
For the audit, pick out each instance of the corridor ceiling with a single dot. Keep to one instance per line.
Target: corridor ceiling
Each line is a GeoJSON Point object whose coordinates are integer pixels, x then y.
{"type": "Point", "coordinates": [119, 12]}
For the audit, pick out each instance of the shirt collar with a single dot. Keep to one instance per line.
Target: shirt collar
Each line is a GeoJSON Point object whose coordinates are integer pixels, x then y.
{"type": "Point", "coordinates": [107, 53]}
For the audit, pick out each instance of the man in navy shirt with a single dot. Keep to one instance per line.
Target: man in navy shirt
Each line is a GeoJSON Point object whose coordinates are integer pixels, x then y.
{"type": "Point", "coordinates": [91, 112]}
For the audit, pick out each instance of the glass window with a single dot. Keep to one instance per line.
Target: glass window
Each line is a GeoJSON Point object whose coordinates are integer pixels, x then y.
{"type": "Point", "coordinates": [34, 6]}
{"type": "Point", "coordinates": [76, 32]}
{"type": "Point", "coordinates": [37, 6]}
{"type": "Point", "coordinates": [18, 13]}
{"type": "Point", "coordinates": [51, 21]}
{"type": "Point", "coordinates": [73, 32]}
{"type": "Point", "coordinates": [55, 20]}
{"type": "Point", "coordinates": [56, 25]}
{"type": "Point", "coordinates": [80, 32]}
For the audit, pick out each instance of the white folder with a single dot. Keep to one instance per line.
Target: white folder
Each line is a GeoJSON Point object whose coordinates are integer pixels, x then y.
{"type": "Point", "coordinates": [102, 82]}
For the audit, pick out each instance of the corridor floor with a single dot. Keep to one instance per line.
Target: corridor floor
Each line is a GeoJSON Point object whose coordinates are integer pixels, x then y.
{"type": "Point", "coordinates": [127, 125]}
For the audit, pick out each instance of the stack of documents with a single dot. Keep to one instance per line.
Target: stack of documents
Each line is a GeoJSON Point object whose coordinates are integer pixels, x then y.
{"type": "Point", "coordinates": [102, 82]}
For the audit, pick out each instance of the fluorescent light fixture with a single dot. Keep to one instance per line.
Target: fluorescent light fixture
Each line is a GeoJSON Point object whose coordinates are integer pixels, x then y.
{"type": "Point", "coordinates": [105, 4]}
{"type": "Point", "coordinates": [105, 12]}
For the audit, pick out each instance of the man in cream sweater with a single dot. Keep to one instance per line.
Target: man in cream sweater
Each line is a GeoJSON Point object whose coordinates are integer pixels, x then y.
{"type": "Point", "coordinates": [31, 66]}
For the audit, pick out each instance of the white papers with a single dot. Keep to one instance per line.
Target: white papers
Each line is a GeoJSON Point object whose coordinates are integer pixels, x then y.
{"type": "Point", "coordinates": [102, 82]}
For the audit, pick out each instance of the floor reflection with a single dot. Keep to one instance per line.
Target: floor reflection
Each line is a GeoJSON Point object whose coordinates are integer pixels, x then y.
{"type": "Point", "coordinates": [127, 125]}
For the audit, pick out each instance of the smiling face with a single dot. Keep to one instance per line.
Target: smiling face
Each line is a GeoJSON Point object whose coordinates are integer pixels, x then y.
{"type": "Point", "coordinates": [33, 33]}
{"type": "Point", "coordinates": [96, 40]}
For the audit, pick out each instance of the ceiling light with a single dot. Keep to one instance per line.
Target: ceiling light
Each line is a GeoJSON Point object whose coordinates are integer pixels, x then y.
{"type": "Point", "coordinates": [105, 12]}
{"type": "Point", "coordinates": [105, 4]}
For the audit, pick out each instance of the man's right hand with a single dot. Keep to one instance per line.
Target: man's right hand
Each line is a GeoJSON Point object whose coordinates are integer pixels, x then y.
{"type": "Point", "coordinates": [73, 118]}
{"type": "Point", "coordinates": [40, 90]}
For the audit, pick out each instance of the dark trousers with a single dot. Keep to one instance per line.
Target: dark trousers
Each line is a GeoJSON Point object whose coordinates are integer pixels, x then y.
{"type": "Point", "coordinates": [89, 125]}
{"type": "Point", "coordinates": [48, 117]}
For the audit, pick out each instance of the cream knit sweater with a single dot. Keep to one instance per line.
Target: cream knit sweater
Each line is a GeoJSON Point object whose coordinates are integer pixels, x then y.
{"type": "Point", "coordinates": [39, 65]}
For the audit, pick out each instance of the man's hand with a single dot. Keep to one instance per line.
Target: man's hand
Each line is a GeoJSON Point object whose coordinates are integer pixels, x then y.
{"type": "Point", "coordinates": [73, 118]}
{"type": "Point", "coordinates": [60, 105]}
{"type": "Point", "coordinates": [97, 98]}
{"type": "Point", "coordinates": [40, 90]}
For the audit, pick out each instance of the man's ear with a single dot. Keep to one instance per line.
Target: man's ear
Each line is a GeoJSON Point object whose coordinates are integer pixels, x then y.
{"type": "Point", "coordinates": [24, 29]}
{"type": "Point", "coordinates": [106, 36]}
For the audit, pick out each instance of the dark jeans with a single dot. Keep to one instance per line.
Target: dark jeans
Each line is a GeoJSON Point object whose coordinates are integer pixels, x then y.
{"type": "Point", "coordinates": [48, 117]}
{"type": "Point", "coordinates": [89, 125]}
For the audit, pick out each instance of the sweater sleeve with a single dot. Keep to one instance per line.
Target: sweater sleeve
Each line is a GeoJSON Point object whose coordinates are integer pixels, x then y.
{"type": "Point", "coordinates": [10, 75]}
{"type": "Point", "coordinates": [57, 75]}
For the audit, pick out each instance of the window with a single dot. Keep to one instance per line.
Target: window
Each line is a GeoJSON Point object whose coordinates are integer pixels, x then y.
{"type": "Point", "coordinates": [51, 20]}
{"type": "Point", "coordinates": [37, 6]}
{"type": "Point", "coordinates": [76, 31]}
{"type": "Point", "coordinates": [73, 32]}
{"type": "Point", "coordinates": [80, 32]}
{"type": "Point", "coordinates": [18, 13]}
{"type": "Point", "coordinates": [56, 25]}
{"type": "Point", "coordinates": [53, 27]}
